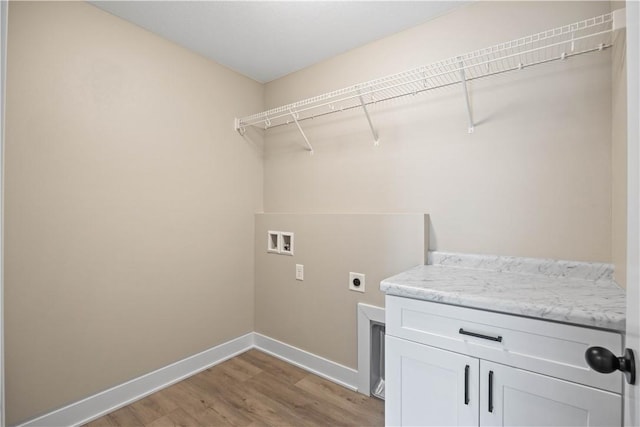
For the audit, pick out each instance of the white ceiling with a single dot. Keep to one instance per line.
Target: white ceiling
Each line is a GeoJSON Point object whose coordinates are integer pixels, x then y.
{"type": "Point", "coordinates": [265, 40]}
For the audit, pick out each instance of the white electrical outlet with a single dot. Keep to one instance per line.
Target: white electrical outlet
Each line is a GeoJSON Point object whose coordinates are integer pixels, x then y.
{"type": "Point", "coordinates": [299, 272]}
{"type": "Point", "coordinates": [356, 282]}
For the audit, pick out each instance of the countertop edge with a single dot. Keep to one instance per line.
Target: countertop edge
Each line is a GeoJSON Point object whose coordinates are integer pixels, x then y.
{"type": "Point", "coordinates": [424, 283]}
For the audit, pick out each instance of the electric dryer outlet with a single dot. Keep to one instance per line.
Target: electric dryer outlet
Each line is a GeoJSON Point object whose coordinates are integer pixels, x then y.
{"type": "Point", "coordinates": [356, 282]}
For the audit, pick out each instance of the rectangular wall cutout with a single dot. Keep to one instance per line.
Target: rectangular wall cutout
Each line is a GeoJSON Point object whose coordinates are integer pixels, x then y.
{"type": "Point", "coordinates": [280, 242]}
{"type": "Point", "coordinates": [287, 243]}
{"type": "Point", "coordinates": [273, 242]}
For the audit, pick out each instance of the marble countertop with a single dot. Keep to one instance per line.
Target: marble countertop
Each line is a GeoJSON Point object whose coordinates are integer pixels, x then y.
{"type": "Point", "coordinates": [553, 290]}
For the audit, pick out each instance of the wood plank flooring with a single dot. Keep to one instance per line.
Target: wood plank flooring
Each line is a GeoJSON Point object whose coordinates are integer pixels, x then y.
{"type": "Point", "coordinates": [253, 389]}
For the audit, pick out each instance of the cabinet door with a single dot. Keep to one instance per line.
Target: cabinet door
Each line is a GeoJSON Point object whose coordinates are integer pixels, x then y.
{"type": "Point", "coordinates": [513, 397]}
{"type": "Point", "coordinates": [426, 386]}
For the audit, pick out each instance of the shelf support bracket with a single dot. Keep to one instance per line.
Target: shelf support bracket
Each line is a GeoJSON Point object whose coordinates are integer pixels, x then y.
{"type": "Point", "coordinates": [463, 80]}
{"type": "Point", "coordinates": [376, 141]}
{"type": "Point", "coordinates": [619, 17]}
{"type": "Point", "coordinates": [295, 120]}
{"type": "Point", "coordinates": [239, 128]}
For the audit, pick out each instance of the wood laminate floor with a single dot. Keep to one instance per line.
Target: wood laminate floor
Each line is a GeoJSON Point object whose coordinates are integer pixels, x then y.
{"type": "Point", "coordinates": [252, 389]}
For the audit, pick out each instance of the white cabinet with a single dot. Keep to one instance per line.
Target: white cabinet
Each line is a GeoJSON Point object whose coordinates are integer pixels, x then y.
{"type": "Point", "coordinates": [429, 386]}
{"type": "Point", "coordinates": [515, 397]}
{"type": "Point", "coordinates": [448, 366]}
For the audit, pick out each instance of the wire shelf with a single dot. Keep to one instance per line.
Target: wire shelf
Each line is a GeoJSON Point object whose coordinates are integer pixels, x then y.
{"type": "Point", "coordinates": [594, 34]}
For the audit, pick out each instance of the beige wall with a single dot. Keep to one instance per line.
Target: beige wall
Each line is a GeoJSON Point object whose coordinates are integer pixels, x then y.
{"type": "Point", "coordinates": [130, 200]}
{"type": "Point", "coordinates": [619, 155]}
{"type": "Point", "coordinates": [319, 314]}
{"type": "Point", "coordinates": [533, 180]}
{"type": "Point", "coordinates": [130, 204]}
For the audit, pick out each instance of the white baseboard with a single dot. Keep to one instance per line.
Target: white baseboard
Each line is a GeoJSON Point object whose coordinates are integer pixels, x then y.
{"type": "Point", "coordinates": [102, 403]}
{"type": "Point", "coordinates": [121, 395]}
{"type": "Point", "coordinates": [320, 366]}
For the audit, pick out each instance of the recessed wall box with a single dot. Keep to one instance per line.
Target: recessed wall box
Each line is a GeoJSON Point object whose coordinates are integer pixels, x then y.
{"type": "Point", "coordinates": [286, 240]}
{"type": "Point", "coordinates": [280, 242]}
{"type": "Point", "coordinates": [273, 242]}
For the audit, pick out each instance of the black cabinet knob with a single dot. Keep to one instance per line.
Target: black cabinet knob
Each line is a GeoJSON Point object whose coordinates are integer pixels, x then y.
{"type": "Point", "coordinates": [602, 360]}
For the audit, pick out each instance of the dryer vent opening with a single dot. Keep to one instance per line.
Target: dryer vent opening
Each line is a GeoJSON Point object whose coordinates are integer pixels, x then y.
{"type": "Point", "coordinates": [371, 336]}
{"type": "Point", "coordinates": [376, 363]}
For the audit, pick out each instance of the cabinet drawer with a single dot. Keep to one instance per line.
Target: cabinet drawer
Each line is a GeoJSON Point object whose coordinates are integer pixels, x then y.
{"type": "Point", "coordinates": [536, 345]}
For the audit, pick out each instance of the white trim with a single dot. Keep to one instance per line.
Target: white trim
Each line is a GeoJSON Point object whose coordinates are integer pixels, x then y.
{"type": "Point", "coordinates": [320, 366]}
{"type": "Point", "coordinates": [121, 395]}
{"type": "Point", "coordinates": [366, 315]}
{"type": "Point", "coordinates": [632, 337]}
{"type": "Point", "coordinates": [100, 404]}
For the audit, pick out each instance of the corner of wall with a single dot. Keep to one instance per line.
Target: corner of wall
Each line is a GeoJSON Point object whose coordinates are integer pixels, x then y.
{"type": "Point", "coordinates": [619, 157]}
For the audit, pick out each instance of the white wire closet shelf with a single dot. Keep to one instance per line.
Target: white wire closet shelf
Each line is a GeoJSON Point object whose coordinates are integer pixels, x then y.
{"type": "Point", "coordinates": [594, 34]}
